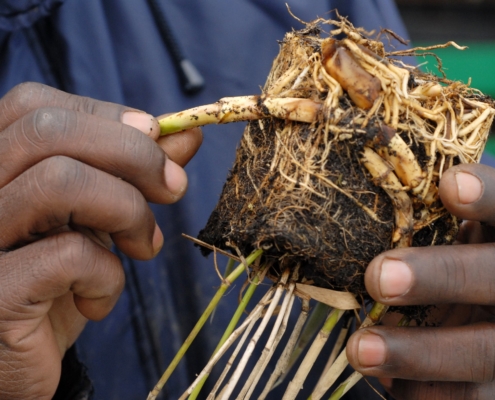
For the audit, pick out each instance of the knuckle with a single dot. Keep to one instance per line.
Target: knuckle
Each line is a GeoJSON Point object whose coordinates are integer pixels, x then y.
{"type": "Point", "coordinates": [75, 255]}
{"type": "Point", "coordinates": [10, 296]}
{"type": "Point", "coordinates": [20, 100]}
{"type": "Point", "coordinates": [71, 247]}
{"type": "Point", "coordinates": [79, 256]}
{"type": "Point", "coordinates": [59, 175]}
{"type": "Point", "coordinates": [84, 104]}
{"type": "Point", "coordinates": [468, 278]}
{"type": "Point", "coordinates": [95, 107]}
{"type": "Point", "coordinates": [21, 96]}
{"type": "Point", "coordinates": [58, 262]}
{"type": "Point", "coordinates": [50, 124]}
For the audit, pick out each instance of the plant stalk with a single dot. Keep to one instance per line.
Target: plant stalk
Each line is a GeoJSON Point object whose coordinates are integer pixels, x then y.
{"type": "Point", "coordinates": [276, 335]}
{"type": "Point", "coordinates": [345, 386]}
{"type": "Point", "coordinates": [254, 340]}
{"type": "Point", "coordinates": [297, 382]}
{"type": "Point", "coordinates": [283, 361]}
{"type": "Point", "coordinates": [242, 108]}
{"type": "Point", "coordinates": [328, 379]}
{"type": "Point", "coordinates": [230, 328]}
{"type": "Point", "coordinates": [204, 317]}
{"type": "Point", "coordinates": [315, 320]}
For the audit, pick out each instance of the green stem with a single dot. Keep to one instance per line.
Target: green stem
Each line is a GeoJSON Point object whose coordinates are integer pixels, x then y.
{"type": "Point", "coordinates": [228, 109]}
{"type": "Point", "coordinates": [204, 317]}
{"type": "Point", "coordinates": [230, 328]}
{"type": "Point", "coordinates": [316, 319]}
{"type": "Point", "coordinates": [375, 315]}
{"type": "Point", "coordinates": [345, 386]}
{"type": "Point", "coordinates": [328, 379]}
{"type": "Point", "coordinates": [331, 321]}
{"type": "Point", "coordinates": [339, 392]}
{"type": "Point", "coordinates": [314, 351]}
{"type": "Point", "coordinates": [242, 108]}
{"type": "Point", "coordinates": [229, 268]}
{"type": "Point", "coordinates": [404, 321]}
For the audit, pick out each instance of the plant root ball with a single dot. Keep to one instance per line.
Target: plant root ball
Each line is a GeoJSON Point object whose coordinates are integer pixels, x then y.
{"type": "Point", "coordinates": [275, 198]}
{"type": "Point", "coordinates": [324, 198]}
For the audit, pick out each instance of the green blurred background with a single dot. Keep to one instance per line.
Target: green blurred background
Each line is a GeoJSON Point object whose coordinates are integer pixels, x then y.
{"type": "Point", "coordinates": [467, 22]}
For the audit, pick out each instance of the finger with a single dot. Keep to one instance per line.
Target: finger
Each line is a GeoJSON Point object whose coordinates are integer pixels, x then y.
{"type": "Point", "coordinates": [458, 354]}
{"type": "Point", "coordinates": [183, 146]}
{"type": "Point", "coordinates": [470, 232]}
{"type": "Point", "coordinates": [108, 145]}
{"type": "Point", "coordinates": [66, 321]}
{"type": "Point", "coordinates": [60, 191]}
{"type": "Point", "coordinates": [29, 96]}
{"type": "Point", "coordinates": [433, 275]}
{"type": "Point", "coordinates": [46, 270]}
{"type": "Point", "coordinates": [413, 390]}
{"type": "Point", "coordinates": [467, 191]}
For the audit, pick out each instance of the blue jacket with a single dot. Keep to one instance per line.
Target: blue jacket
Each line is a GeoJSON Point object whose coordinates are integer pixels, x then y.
{"type": "Point", "coordinates": [113, 50]}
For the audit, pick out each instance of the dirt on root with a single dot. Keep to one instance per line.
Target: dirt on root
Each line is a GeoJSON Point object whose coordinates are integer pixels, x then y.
{"type": "Point", "coordinates": [299, 218]}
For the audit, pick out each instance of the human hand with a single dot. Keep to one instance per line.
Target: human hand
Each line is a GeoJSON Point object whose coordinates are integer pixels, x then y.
{"type": "Point", "coordinates": [456, 358]}
{"type": "Point", "coordinates": [75, 176]}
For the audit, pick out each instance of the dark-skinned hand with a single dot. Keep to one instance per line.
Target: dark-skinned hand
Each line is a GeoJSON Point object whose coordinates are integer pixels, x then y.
{"type": "Point", "coordinates": [456, 358]}
{"type": "Point", "coordinates": [75, 176]}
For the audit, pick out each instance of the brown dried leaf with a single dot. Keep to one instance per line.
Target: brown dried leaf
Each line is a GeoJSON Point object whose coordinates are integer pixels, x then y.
{"type": "Point", "coordinates": [332, 298]}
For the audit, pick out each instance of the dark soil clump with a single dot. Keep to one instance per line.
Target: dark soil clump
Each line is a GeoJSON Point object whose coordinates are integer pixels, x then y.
{"type": "Point", "coordinates": [321, 231]}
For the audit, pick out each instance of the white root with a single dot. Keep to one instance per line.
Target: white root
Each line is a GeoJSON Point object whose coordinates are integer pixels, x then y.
{"type": "Point", "coordinates": [337, 347]}
{"type": "Point", "coordinates": [383, 176]}
{"type": "Point", "coordinates": [254, 340]}
{"type": "Point", "coordinates": [251, 319]}
{"type": "Point", "coordinates": [309, 359]}
{"type": "Point", "coordinates": [283, 361]}
{"type": "Point", "coordinates": [232, 358]}
{"type": "Point", "coordinates": [330, 377]}
{"type": "Point", "coordinates": [276, 335]}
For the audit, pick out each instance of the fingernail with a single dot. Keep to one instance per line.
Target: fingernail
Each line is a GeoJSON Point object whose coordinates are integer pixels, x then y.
{"type": "Point", "coordinates": [395, 278]}
{"type": "Point", "coordinates": [138, 120]}
{"type": "Point", "coordinates": [371, 350]}
{"type": "Point", "coordinates": [157, 240]}
{"type": "Point", "coordinates": [468, 187]}
{"type": "Point", "coordinates": [175, 178]}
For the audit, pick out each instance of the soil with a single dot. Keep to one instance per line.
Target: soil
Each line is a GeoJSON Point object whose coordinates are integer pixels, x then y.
{"type": "Point", "coordinates": [326, 235]}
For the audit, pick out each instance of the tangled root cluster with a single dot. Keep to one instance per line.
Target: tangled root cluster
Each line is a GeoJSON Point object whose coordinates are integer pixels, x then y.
{"type": "Point", "coordinates": [324, 198]}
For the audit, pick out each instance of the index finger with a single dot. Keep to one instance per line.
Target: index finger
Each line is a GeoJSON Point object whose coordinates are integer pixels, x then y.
{"type": "Point", "coordinates": [456, 354]}
{"type": "Point", "coordinates": [29, 96]}
{"type": "Point", "coordinates": [433, 275]}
